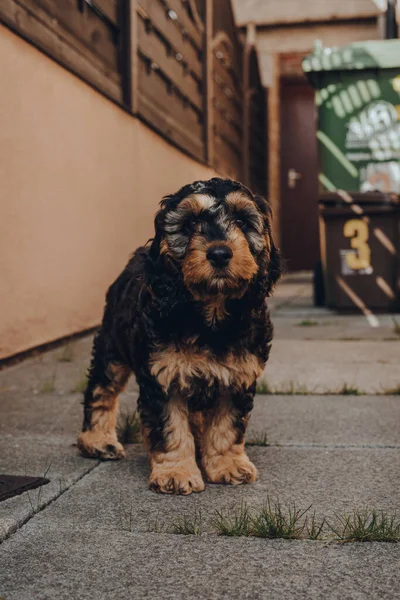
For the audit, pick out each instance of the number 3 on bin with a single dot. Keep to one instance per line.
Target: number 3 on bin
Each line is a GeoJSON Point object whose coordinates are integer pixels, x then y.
{"type": "Point", "coordinates": [357, 230]}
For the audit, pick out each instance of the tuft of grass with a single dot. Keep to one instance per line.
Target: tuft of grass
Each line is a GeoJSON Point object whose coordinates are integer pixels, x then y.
{"type": "Point", "coordinates": [67, 353]}
{"type": "Point", "coordinates": [188, 525]}
{"type": "Point", "coordinates": [233, 523]}
{"type": "Point", "coordinates": [396, 326]}
{"type": "Point", "coordinates": [294, 390]}
{"type": "Point", "coordinates": [125, 517]}
{"type": "Point", "coordinates": [258, 438]}
{"type": "Point", "coordinates": [263, 388]}
{"type": "Point", "coordinates": [349, 390]}
{"type": "Point", "coordinates": [81, 385]}
{"type": "Point", "coordinates": [128, 428]}
{"type": "Point", "coordinates": [36, 508]}
{"type": "Point", "coordinates": [391, 391]}
{"type": "Point", "coordinates": [275, 521]}
{"type": "Point", "coordinates": [307, 323]}
{"type": "Point", "coordinates": [156, 525]}
{"type": "Point", "coordinates": [314, 528]}
{"type": "Point", "coordinates": [367, 526]}
{"type": "Point", "coordinates": [48, 385]}
{"type": "Point", "coordinates": [346, 339]}
{"type": "Point", "coordinates": [291, 389]}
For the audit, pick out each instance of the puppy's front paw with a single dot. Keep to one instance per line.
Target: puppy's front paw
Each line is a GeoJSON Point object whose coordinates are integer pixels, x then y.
{"type": "Point", "coordinates": [230, 468]}
{"type": "Point", "coordinates": [104, 447]}
{"type": "Point", "coordinates": [176, 479]}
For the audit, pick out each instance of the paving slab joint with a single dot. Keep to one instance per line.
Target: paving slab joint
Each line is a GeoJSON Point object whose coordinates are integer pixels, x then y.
{"type": "Point", "coordinates": [35, 512]}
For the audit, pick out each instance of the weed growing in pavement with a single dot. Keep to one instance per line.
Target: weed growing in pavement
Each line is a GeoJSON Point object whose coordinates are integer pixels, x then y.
{"type": "Point", "coordinates": [294, 389]}
{"type": "Point", "coordinates": [233, 523]}
{"type": "Point", "coordinates": [35, 507]}
{"type": "Point", "coordinates": [367, 526]}
{"type": "Point", "coordinates": [291, 389]}
{"type": "Point", "coordinates": [128, 428]}
{"type": "Point", "coordinates": [125, 516]}
{"type": "Point", "coordinates": [349, 390]}
{"type": "Point", "coordinates": [188, 525]}
{"type": "Point", "coordinates": [263, 388]}
{"type": "Point", "coordinates": [275, 521]}
{"type": "Point", "coordinates": [156, 525]}
{"type": "Point", "coordinates": [48, 385]}
{"type": "Point", "coordinates": [391, 391]}
{"type": "Point", "coordinates": [81, 385]}
{"type": "Point", "coordinates": [314, 527]}
{"type": "Point", "coordinates": [307, 323]}
{"type": "Point", "coordinates": [396, 326]}
{"type": "Point", "coordinates": [257, 438]}
{"type": "Point", "coordinates": [67, 353]}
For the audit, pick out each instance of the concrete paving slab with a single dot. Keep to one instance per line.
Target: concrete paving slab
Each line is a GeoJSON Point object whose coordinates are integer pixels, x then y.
{"type": "Point", "coordinates": [38, 565]}
{"type": "Point", "coordinates": [326, 366]}
{"type": "Point", "coordinates": [328, 420]}
{"type": "Point", "coordinates": [63, 367]}
{"type": "Point", "coordinates": [46, 414]}
{"type": "Point", "coordinates": [343, 328]}
{"type": "Point", "coordinates": [36, 456]}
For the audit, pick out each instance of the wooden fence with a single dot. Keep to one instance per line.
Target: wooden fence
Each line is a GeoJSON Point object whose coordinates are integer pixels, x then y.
{"type": "Point", "coordinates": [177, 64]}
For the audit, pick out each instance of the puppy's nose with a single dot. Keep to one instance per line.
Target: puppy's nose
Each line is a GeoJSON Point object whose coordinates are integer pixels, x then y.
{"type": "Point", "coordinates": [219, 256]}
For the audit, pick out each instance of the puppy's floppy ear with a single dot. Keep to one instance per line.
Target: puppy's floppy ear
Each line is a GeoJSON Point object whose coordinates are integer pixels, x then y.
{"type": "Point", "coordinates": [274, 268]}
{"type": "Point", "coordinates": [273, 265]}
{"type": "Point", "coordinates": [159, 221]}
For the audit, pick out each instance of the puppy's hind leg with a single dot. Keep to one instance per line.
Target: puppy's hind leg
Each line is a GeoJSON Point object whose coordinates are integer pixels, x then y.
{"type": "Point", "coordinates": [107, 379]}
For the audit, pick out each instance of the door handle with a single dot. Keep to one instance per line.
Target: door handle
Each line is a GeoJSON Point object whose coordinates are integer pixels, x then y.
{"type": "Point", "coordinates": [292, 177]}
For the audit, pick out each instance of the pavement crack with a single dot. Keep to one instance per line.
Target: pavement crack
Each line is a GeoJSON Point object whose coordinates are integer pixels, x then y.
{"type": "Point", "coordinates": [17, 526]}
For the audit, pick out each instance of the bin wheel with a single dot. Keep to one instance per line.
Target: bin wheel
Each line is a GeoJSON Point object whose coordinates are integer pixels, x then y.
{"type": "Point", "coordinates": [319, 285]}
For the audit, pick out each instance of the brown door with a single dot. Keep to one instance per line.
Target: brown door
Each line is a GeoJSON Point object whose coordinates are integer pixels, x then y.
{"type": "Point", "coordinates": [299, 185]}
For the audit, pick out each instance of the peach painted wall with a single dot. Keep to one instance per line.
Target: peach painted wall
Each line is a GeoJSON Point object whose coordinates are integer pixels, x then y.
{"type": "Point", "coordinates": [80, 181]}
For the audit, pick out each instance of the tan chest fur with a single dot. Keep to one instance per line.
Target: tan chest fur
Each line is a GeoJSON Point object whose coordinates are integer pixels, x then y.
{"type": "Point", "coordinates": [181, 365]}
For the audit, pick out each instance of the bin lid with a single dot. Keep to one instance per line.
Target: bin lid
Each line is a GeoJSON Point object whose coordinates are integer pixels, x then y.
{"type": "Point", "coordinates": [344, 198]}
{"type": "Point", "coordinates": [375, 54]}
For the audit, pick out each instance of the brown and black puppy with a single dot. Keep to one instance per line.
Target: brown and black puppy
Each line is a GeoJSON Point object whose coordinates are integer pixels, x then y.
{"type": "Point", "coordinates": [188, 317]}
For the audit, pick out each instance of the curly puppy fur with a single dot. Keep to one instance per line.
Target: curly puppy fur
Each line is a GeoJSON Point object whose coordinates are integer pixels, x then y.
{"type": "Point", "coordinates": [188, 317]}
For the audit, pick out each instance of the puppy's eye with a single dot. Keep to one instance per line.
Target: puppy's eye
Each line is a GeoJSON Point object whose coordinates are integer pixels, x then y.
{"type": "Point", "coordinates": [239, 222]}
{"type": "Point", "coordinates": [189, 224]}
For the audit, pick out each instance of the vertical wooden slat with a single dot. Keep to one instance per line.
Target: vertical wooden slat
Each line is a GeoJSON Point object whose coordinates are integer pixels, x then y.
{"type": "Point", "coordinates": [133, 56]}
{"type": "Point", "coordinates": [208, 78]}
{"type": "Point", "coordinates": [123, 15]}
{"type": "Point", "coordinates": [246, 105]}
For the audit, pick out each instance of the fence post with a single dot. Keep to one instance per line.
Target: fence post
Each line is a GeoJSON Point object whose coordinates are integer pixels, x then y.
{"type": "Point", "coordinates": [208, 79]}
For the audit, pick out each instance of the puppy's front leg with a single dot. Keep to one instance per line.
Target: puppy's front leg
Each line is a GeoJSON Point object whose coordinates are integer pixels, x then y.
{"type": "Point", "coordinates": [223, 455]}
{"type": "Point", "coordinates": [169, 442]}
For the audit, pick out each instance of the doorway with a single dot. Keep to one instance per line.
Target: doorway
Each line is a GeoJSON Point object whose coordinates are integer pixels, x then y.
{"type": "Point", "coordinates": [299, 176]}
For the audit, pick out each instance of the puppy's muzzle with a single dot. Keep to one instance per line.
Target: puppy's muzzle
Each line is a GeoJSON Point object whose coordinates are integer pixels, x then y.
{"type": "Point", "coordinates": [219, 256]}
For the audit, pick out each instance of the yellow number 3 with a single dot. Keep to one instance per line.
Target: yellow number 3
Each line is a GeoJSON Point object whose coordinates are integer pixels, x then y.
{"type": "Point", "coordinates": [357, 230]}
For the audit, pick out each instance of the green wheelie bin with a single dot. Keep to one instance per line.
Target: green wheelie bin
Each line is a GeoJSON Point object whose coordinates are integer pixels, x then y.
{"type": "Point", "coordinates": [358, 101]}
